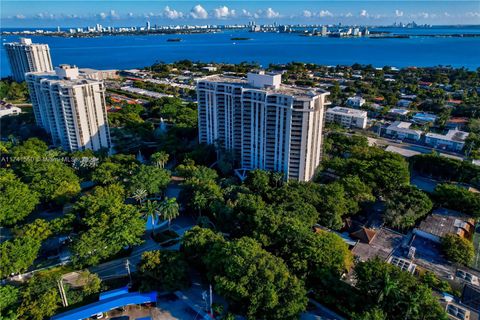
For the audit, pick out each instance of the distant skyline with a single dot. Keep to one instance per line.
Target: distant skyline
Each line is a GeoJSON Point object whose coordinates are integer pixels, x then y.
{"type": "Point", "coordinates": [72, 13]}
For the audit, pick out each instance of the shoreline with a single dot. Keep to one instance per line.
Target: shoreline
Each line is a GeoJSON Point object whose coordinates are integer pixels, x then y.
{"type": "Point", "coordinates": [373, 34]}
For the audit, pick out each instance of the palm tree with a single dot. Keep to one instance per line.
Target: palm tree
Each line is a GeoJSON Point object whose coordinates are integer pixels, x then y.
{"type": "Point", "coordinates": [151, 209]}
{"type": "Point", "coordinates": [139, 195]}
{"type": "Point", "coordinates": [170, 209]}
{"type": "Point", "coordinates": [205, 222]}
{"type": "Point", "coordinates": [159, 159]}
{"type": "Point", "coordinates": [389, 290]}
{"type": "Point", "coordinates": [277, 177]}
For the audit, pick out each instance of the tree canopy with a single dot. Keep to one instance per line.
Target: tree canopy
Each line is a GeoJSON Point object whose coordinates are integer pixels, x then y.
{"type": "Point", "coordinates": [108, 225]}
{"type": "Point", "coordinates": [446, 168]}
{"type": "Point", "coordinates": [163, 269]}
{"type": "Point", "coordinates": [458, 249]}
{"type": "Point", "coordinates": [8, 304]}
{"type": "Point", "coordinates": [255, 281]}
{"type": "Point", "coordinates": [397, 293]}
{"type": "Point", "coordinates": [16, 199]}
{"type": "Point", "coordinates": [405, 206]}
{"type": "Point", "coordinates": [44, 172]}
{"type": "Point", "coordinates": [381, 170]}
{"type": "Point", "coordinates": [19, 253]}
{"type": "Point", "coordinates": [150, 178]}
{"type": "Point", "coordinates": [310, 256]}
{"type": "Point", "coordinates": [457, 198]}
{"type": "Point", "coordinates": [40, 298]}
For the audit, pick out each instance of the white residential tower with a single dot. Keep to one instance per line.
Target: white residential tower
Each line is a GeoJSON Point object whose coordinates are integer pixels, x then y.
{"type": "Point", "coordinates": [267, 125]}
{"type": "Point", "coordinates": [71, 107]}
{"type": "Point", "coordinates": [25, 56]}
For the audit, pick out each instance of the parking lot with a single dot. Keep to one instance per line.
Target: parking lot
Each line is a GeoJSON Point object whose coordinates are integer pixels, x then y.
{"type": "Point", "coordinates": [168, 308]}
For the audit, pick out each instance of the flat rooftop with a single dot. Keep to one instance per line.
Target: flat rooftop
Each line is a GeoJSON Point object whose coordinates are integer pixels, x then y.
{"type": "Point", "coordinates": [403, 127]}
{"type": "Point", "coordinates": [382, 245]}
{"type": "Point", "coordinates": [443, 221]}
{"type": "Point", "coordinates": [283, 89]}
{"type": "Point", "coordinates": [53, 77]}
{"type": "Point", "coordinates": [90, 70]}
{"type": "Point", "coordinates": [425, 116]}
{"type": "Point", "coordinates": [399, 111]}
{"type": "Point", "coordinates": [348, 111]}
{"type": "Point", "coordinates": [451, 135]}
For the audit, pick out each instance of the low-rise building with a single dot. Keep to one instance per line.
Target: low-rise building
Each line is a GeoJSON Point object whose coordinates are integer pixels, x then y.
{"type": "Point", "coordinates": [397, 112]}
{"type": "Point", "coordinates": [209, 68]}
{"type": "Point", "coordinates": [6, 109]}
{"type": "Point", "coordinates": [347, 117]}
{"type": "Point", "coordinates": [458, 123]}
{"type": "Point", "coordinates": [356, 101]}
{"type": "Point", "coordinates": [442, 222]}
{"type": "Point", "coordinates": [404, 103]}
{"type": "Point", "coordinates": [408, 96]}
{"type": "Point", "coordinates": [456, 310]}
{"type": "Point", "coordinates": [453, 102]}
{"type": "Point", "coordinates": [422, 117]}
{"type": "Point", "coordinates": [98, 74]}
{"type": "Point", "coordinates": [453, 140]}
{"type": "Point", "coordinates": [471, 296]}
{"type": "Point", "coordinates": [401, 130]}
{"type": "Point", "coordinates": [381, 245]}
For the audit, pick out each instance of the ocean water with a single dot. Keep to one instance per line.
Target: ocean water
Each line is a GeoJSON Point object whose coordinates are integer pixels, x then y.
{"type": "Point", "coordinates": [124, 52]}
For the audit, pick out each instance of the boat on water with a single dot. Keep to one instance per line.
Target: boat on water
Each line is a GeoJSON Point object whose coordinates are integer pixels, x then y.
{"type": "Point", "coordinates": [174, 40]}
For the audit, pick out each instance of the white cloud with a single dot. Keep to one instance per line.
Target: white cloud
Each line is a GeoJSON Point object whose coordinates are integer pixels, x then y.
{"type": "Point", "coordinates": [20, 16]}
{"type": "Point", "coordinates": [473, 14]}
{"type": "Point", "coordinates": [198, 12]}
{"type": "Point", "coordinates": [270, 13]}
{"type": "Point", "coordinates": [149, 15]}
{"type": "Point", "coordinates": [325, 13]}
{"type": "Point", "coordinates": [114, 15]}
{"type": "Point", "coordinates": [307, 14]}
{"type": "Point", "coordinates": [246, 13]}
{"type": "Point", "coordinates": [110, 15]}
{"type": "Point", "coordinates": [398, 13]}
{"type": "Point", "coordinates": [130, 14]}
{"type": "Point", "coordinates": [223, 12]}
{"type": "Point", "coordinates": [364, 13]}
{"type": "Point", "coordinates": [171, 13]}
{"type": "Point", "coordinates": [45, 15]}
{"type": "Point", "coordinates": [348, 15]}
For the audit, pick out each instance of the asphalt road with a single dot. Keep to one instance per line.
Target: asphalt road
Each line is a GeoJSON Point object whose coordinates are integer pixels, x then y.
{"type": "Point", "coordinates": [385, 142]}
{"type": "Point", "coordinates": [118, 268]}
{"type": "Point", "coordinates": [381, 141]}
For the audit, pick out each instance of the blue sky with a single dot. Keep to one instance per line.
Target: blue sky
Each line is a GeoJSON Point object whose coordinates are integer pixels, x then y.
{"type": "Point", "coordinates": [22, 13]}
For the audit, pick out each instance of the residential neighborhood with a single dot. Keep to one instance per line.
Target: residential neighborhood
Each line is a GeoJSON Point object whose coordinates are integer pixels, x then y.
{"type": "Point", "coordinates": [220, 189]}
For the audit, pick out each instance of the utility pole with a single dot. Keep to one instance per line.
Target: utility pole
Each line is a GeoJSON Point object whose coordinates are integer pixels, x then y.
{"type": "Point", "coordinates": [127, 265]}
{"type": "Point", "coordinates": [61, 289]}
{"type": "Point", "coordinates": [211, 301]}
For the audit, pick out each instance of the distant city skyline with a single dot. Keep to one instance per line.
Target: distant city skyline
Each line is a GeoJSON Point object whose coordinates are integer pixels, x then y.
{"type": "Point", "coordinates": [72, 13]}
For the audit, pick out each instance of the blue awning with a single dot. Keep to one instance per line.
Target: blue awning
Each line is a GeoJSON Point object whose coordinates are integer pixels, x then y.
{"type": "Point", "coordinates": [107, 305]}
{"type": "Point", "coordinates": [113, 293]}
